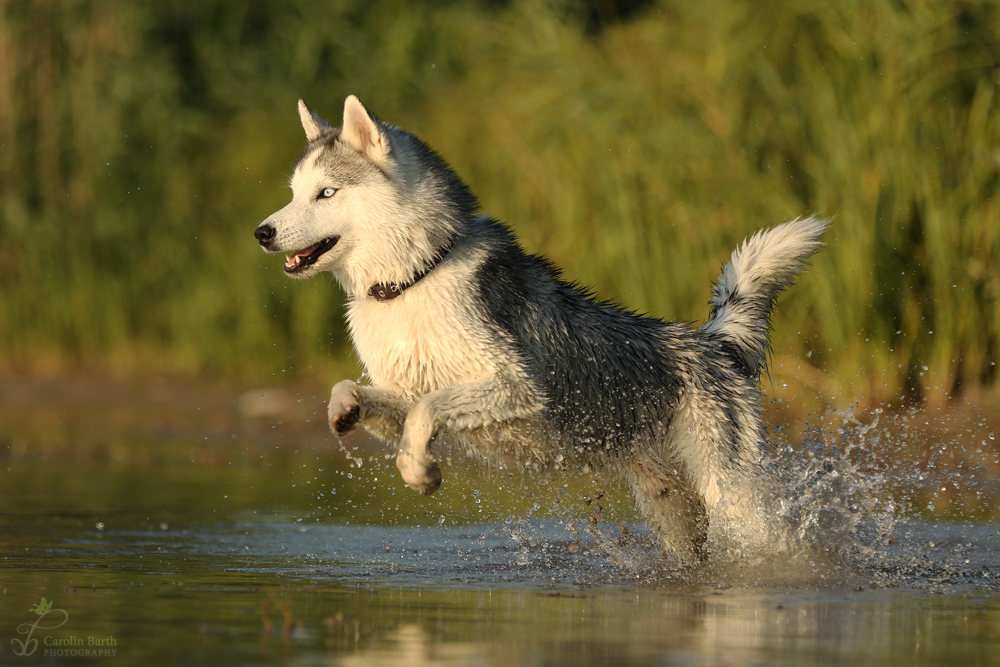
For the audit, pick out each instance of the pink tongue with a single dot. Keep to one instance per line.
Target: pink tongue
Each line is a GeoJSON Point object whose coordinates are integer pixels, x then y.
{"type": "Point", "coordinates": [297, 257]}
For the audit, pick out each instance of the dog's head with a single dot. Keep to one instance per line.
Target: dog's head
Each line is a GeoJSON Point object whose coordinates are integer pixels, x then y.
{"type": "Point", "coordinates": [370, 203]}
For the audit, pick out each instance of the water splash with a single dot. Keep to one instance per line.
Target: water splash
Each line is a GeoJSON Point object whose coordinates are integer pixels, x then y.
{"type": "Point", "coordinates": [853, 505]}
{"type": "Point", "coordinates": [864, 497]}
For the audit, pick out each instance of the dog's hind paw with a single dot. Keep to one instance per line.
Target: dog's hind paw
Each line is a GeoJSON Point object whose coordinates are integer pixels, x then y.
{"type": "Point", "coordinates": [344, 411]}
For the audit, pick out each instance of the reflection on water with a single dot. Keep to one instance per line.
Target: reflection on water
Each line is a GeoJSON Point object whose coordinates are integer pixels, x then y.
{"type": "Point", "coordinates": [304, 559]}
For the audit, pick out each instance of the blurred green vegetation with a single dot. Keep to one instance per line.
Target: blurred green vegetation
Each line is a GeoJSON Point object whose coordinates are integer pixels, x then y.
{"type": "Point", "coordinates": [634, 144]}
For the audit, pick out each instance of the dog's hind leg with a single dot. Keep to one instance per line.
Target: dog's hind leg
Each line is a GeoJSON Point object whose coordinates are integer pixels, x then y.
{"type": "Point", "coordinates": [668, 500]}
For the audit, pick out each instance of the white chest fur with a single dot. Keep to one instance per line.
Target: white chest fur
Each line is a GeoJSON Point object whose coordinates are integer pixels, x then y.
{"type": "Point", "coordinates": [421, 341]}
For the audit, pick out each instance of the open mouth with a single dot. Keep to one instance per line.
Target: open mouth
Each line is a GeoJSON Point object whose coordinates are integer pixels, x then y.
{"type": "Point", "coordinates": [307, 257]}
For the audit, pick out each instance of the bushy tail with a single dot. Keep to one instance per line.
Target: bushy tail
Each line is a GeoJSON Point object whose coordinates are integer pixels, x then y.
{"type": "Point", "coordinates": [745, 291]}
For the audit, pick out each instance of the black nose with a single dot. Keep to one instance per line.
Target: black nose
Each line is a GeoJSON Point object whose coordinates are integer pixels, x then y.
{"type": "Point", "coordinates": [264, 233]}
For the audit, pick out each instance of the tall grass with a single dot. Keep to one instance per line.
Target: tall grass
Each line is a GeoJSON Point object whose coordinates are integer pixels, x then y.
{"type": "Point", "coordinates": [142, 144]}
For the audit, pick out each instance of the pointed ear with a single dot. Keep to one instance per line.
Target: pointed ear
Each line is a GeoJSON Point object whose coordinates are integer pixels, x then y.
{"type": "Point", "coordinates": [362, 132]}
{"type": "Point", "coordinates": [314, 126]}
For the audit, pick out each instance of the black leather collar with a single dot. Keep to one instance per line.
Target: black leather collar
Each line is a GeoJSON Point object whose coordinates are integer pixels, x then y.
{"type": "Point", "coordinates": [389, 291]}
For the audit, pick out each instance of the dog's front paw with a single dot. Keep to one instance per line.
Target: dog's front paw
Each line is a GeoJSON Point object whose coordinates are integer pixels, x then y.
{"type": "Point", "coordinates": [414, 459]}
{"type": "Point", "coordinates": [344, 410]}
{"type": "Point", "coordinates": [423, 476]}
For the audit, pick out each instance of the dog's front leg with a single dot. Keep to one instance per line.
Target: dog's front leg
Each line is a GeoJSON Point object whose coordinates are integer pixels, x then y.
{"type": "Point", "coordinates": [413, 458]}
{"type": "Point", "coordinates": [380, 411]}
{"type": "Point", "coordinates": [492, 400]}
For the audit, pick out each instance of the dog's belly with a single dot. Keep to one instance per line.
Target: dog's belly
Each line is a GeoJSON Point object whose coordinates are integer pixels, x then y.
{"type": "Point", "coordinates": [418, 346]}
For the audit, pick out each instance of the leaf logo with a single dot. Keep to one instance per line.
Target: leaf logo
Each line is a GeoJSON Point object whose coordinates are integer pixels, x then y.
{"type": "Point", "coordinates": [28, 645]}
{"type": "Point", "coordinates": [42, 607]}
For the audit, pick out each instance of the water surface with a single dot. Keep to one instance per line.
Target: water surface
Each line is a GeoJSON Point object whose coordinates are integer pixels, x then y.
{"type": "Point", "coordinates": [308, 558]}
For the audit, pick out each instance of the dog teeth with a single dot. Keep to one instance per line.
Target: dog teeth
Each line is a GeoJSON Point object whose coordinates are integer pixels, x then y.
{"type": "Point", "coordinates": [292, 261]}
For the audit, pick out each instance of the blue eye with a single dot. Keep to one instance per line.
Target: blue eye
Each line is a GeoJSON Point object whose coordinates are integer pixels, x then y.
{"type": "Point", "coordinates": [327, 193]}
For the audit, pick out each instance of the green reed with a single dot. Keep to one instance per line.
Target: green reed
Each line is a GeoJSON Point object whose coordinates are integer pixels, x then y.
{"type": "Point", "coordinates": [142, 144]}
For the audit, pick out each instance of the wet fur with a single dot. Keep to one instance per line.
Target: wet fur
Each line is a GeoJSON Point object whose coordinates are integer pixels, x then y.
{"type": "Point", "coordinates": [494, 353]}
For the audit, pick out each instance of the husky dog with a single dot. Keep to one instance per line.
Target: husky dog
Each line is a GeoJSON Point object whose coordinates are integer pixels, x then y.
{"type": "Point", "coordinates": [471, 343]}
